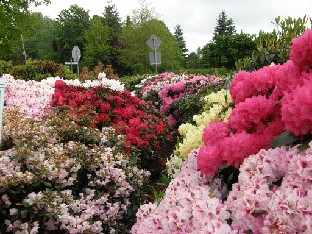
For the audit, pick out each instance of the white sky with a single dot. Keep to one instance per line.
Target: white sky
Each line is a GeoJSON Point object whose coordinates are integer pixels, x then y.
{"type": "Point", "coordinates": [198, 17]}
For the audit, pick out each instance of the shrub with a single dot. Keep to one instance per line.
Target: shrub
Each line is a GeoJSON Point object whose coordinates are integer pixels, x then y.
{"type": "Point", "coordinates": [144, 127]}
{"type": "Point", "coordinates": [175, 91]}
{"type": "Point", "coordinates": [85, 74]}
{"type": "Point", "coordinates": [58, 175]}
{"type": "Point", "coordinates": [268, 102]}
{"type": "Point", "coordinates": [5, 67]}
{"type": "Point", "coordinates": [39, 70]}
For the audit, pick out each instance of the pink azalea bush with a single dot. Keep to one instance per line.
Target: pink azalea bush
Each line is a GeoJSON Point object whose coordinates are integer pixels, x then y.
{"type": "Point", "coordinates": [273, 194]}
{"type": "Point", "coordinates": [31, 97]}
{"type": "Point", "coordinates": [158, 82]}
{"type": "Point", "coordinates": [267, 102]}
{"type": "Point", "coordinates": [175, 91]}
{"type": "Point", "coordinates": [187, 207]}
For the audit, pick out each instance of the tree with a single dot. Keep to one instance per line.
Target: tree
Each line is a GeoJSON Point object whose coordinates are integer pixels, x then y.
{"type": "Point", "coordinates": [224, 26]}
{"type": "Point", "coordinates": [134, 51]}
{"type": "Point", "coordinates": [72, 24]}
{"type": "Point", "coordinates": [111, 17]}
{"type": "Point", "coordinates": [193, 60]}
{"type": "Point", "coordinates": [224, 51]}
{"type": "Point", "coordinates": [275, 46]}
{"type": "Point", "coordinates": [14, 22]}
{"type": "Point", "coordinates": [41, 44]}
{"type": "Point", "coordinates": [178, 34]}
{"type": "Point", "coordinates": [97, 46]}
{"type": "Point", "coordinates": [144, 13]}
{"type": "Point", "coordinates": [113, 22]}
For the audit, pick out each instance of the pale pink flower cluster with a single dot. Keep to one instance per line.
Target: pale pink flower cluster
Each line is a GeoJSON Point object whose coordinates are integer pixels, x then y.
{"type": "Point", "coordinates": [22, 228]}
{"type": "Point", "coordinates": [158, 82]}
{"type": "Point", "coordinates": [38, 156]}
{"type": "Point", "coordinates": [31, 97]}
{"type": "Point", "coordinates": [273, 193]}
{"type": "Point", "coordinates": [187, 207]}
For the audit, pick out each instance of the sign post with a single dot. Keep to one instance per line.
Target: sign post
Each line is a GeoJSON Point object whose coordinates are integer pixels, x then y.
{"type": "Point", "coordinates": [2, 84]}
{"type": "Point", "coordinates": [74, 58]}
{"type": "Point", "coordinates": [154, 57]}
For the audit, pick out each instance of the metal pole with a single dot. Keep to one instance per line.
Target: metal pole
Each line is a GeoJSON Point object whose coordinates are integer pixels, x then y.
{"type": "Point", "coordinates": [155, 55]}
{"type": "Point", "coordinates": [2, 84]}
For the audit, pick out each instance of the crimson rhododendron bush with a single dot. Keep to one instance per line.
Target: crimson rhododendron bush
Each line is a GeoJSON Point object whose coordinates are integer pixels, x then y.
{"type": "Point", "coordinates": [143, 126]}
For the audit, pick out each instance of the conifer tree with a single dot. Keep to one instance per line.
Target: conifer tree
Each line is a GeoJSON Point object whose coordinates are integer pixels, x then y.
{"type": "Point", "coordinates": [178, 34]}
{"type": "Point", "coordinates": [224, 26]}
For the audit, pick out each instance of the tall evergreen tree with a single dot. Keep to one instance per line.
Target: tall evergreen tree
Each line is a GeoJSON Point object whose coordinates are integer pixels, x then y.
{"type": "Point", "coordinates": [113, 22]}
{"type": "Point", "coordinates": [178, 34]}
{"type": "Point", "coordinates": [111, 17]}
{"type": "Point", "coordinates": [224, 26]}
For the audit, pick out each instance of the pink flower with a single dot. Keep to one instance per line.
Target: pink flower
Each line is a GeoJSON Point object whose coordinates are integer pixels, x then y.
{"type": "Point", "coordinates": [249, 84]}
{"type": "Point", "coordinates": [215, 132]}
{"type": "Point", "coordinates": [301, 51]}
{"type": "Point", "coordinates": [209, 160]}
{"type": "Point", "coordinates": [273, 193]}
{"type": "Point", "coordinates": [252, 114]}
{"type": "Point", "coordinates": [297, 109]}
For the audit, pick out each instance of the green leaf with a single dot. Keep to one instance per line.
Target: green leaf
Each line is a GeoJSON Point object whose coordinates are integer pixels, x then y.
{"type": "Point", "coordinates": [223, 166]}
{"type": "Point", "coordinates": [48, 184]}
{"type": "Point", "coordinates": [285, 138]}
{"type": "Point", "coordinates": [259, 212]}
{"type": "Point", "coordinates": [24, 214]}
{"type": "Point", "coordinates": [3, 212]}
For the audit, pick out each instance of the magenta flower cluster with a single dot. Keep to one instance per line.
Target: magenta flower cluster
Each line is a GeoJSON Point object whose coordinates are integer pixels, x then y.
{"type": "Point", "coordinates": [175, 91]}
{"type": "Point", "coordinates": [267, 102]}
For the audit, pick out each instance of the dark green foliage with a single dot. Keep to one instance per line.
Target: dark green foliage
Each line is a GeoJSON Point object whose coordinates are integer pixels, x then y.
{"type": "Point", "coordinates": [131, 81]}
{"type": "Point", "coordinates": [224, 51]}
{"type": "Point", "coordinates": [225, 26]}
{"type": "Point", "coordinates": [193, 61]}
{"type": "Point", "coordinates": [178, 34]}
{"type": "Point", "coordinates": [40, 45]}
{"type": "Point", "coordinates": [285, 138]}
{"type": "Point", "coordinates": [71, 26]}
{"type": "Point", "coordinates": [113, 21]}
{"type": "Point", "coordinates": [39, 70]}
{"type": "Point", "coordinates": [185, 108]}
{"type": "Point", "coordinates": [5, 67]}
{"type": "Point", "coordinates": [15, 21]}
{"type": "Point", "coordinates": [228, 176]}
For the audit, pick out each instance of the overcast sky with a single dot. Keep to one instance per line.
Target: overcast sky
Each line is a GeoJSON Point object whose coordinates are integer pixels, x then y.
{"type": "Point", "coordinates": [197, 18]}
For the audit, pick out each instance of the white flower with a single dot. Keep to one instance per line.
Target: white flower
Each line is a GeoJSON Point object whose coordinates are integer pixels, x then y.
{"type": "Point", "coordinates": [13, 211]}
{"type": "Point", "coordinates": [101, 75]}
